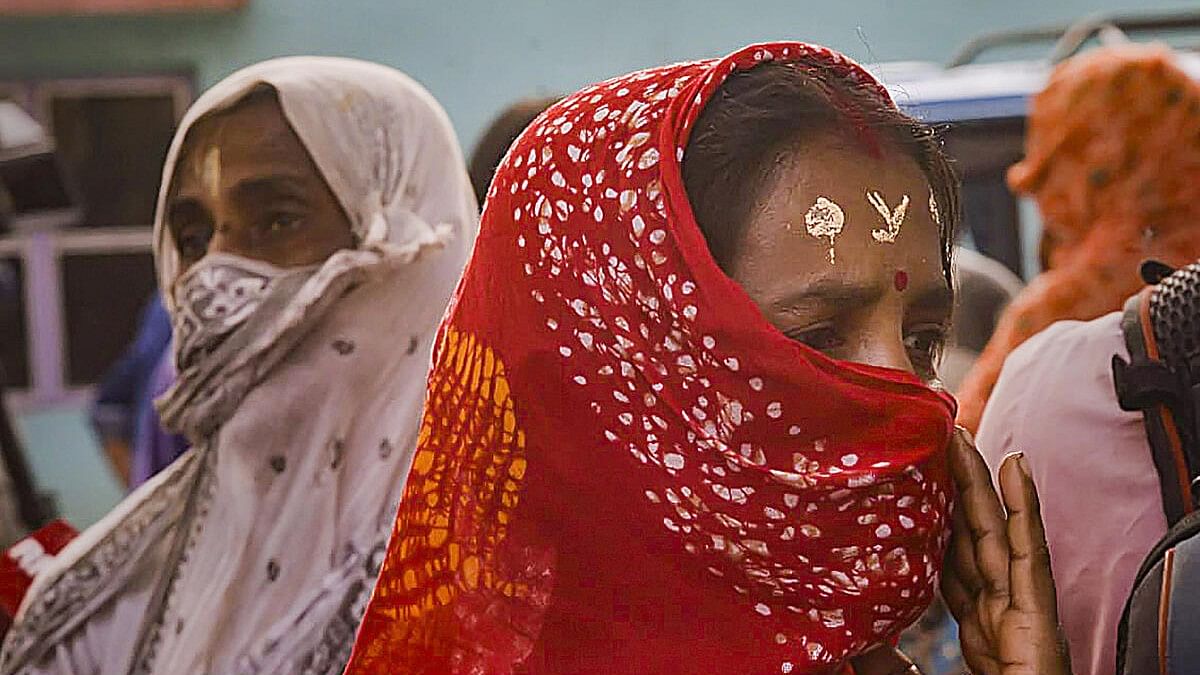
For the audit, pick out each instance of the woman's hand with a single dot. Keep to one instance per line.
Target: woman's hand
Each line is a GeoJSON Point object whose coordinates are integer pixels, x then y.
{"type": "Point", "coordinates": [997, 579]}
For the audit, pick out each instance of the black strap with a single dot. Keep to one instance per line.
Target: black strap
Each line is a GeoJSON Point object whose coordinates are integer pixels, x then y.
{"type": "Point", "coordinates": [1148, 385]}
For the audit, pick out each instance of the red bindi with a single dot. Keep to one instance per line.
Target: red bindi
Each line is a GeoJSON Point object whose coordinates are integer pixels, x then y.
{"type": "Point", "coordinates": [900, 281]}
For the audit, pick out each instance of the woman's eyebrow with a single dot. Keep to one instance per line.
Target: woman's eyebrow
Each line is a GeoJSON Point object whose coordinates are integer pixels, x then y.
{"type": "Point", "coordinates": [265, 187]}
{"type": "Point", "coordinates": [831, 292]}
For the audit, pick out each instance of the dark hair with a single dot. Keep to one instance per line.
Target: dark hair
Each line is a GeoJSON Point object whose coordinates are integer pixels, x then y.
{"type": "Point", "coordinates": [497, 138]}
{"type": "Point", "coordinates": [759, 113]}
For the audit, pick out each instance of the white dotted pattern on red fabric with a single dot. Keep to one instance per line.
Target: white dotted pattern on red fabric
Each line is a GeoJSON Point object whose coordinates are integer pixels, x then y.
{"type": "Point", "coordinates": [630, 339]}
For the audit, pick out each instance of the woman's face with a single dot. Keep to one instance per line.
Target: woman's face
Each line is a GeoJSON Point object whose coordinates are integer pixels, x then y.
{"type": "Point", "coordinates": [881, 303]}
{"type": "Point", "coordinates": [246, 185]}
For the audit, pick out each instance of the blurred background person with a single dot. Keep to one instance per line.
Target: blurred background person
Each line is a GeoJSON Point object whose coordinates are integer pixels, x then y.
{"type": "Point", "coordinates": [498, 137]}
{"type": "Point", "coordinates": [123, 415]}
{"type": "Point", "coordinates": [305, 266]}
{"type": "Point", "coordinates": [154, 448]}
{"type": "Point", "coordinates": [1114, 161]}
{"type": "Point", "coordinates": [1114, 166]}
{"type": "Point", "coordinates": [983, 290]}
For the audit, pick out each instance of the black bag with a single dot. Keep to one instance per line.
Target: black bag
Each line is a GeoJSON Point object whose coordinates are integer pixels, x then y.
{"type": "Point", "coordinates": [1160, 627]}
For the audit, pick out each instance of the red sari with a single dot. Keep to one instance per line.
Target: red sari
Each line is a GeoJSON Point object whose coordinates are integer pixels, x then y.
{"type": "Point", "coordinates": [623, 467]}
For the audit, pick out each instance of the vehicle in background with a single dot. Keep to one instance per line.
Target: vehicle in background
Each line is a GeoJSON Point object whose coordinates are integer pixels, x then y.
{"type": "Point", "coordinates": [983, 105]}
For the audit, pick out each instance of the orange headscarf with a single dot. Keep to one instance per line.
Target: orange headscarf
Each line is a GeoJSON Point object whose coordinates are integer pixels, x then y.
{"type": "Point", "coordinates": [1113, 160]}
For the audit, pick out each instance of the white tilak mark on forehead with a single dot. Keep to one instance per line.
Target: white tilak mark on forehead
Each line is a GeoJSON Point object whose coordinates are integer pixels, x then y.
{"type": "Point", "coordinates": [892, 218]}
{"type": "Point", "coordinates": [210, 172]}
{"type": "Point", "coordinates": [825, 219]}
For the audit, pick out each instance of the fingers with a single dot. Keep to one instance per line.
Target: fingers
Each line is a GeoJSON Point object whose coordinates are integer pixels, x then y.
{"type": "Point", "coordinates": [1031, 579]}
{"type": "Point", "coordinates": [987, 524]}
{"type": "Point", "coordinates": [960, 560]}
{"type": "Point", "coordinates": [961, 590]}
{"type": "Point", "coordinates": [984, 516]}
{"type": "Point", "coordinates": [960, 600]}
{"type": "Point", "coordinates": [1030, 646]}
{"type": "Point", "coordinates": [1032, 638]}
{"type": "Point", "coordinates": [979, 654]}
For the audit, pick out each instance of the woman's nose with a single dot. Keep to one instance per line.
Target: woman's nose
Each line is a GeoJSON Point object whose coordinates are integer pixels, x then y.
{"type": "Point", "coordinates": [883, 346]}
{"type": "Point", "coordinates": [221, 241]}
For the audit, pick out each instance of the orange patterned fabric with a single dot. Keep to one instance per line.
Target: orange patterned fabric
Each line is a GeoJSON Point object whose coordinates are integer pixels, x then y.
{"type": "Point", "coordinates": [1113, 161]}
{"type": "Point", "coordinates": [466, 475]}
{"type": "Point", "coordinates": [624, 468]}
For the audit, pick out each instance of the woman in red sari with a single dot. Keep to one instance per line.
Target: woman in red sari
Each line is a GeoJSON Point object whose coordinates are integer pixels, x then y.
{"type": "Point", "coordinates": [683, 416]}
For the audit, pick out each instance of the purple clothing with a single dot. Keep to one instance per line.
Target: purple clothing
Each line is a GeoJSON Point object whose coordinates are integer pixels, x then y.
{"type": "Point", "coordinates": [124, 390]}
{"type": "Point", "coordinates": [153, 447]}
{"type": "Point", "coordinates": [1091, 462]}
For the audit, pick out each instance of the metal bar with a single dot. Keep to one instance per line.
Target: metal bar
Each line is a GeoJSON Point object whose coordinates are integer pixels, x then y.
{"type": "Point", "coordinates": [971, 51]}
{"type": "Point", "coordinates": [101, 240]}
{"type": "Point", "coordinates": [106, 240]}
{"type": "Point", "coordinates": [44, 316]}
{"type": "Point", "coordinates": [1077, 36]}
{"type": "Point", "coordinates": [1067, 36]}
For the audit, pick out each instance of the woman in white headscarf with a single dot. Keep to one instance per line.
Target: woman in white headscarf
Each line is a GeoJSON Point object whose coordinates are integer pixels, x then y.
{"type": "Point", "coordinates": [314, 217]}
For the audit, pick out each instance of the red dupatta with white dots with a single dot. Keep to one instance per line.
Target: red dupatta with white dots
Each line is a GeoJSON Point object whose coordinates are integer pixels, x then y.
{"type": "Point", "coordinates": [623, 468]}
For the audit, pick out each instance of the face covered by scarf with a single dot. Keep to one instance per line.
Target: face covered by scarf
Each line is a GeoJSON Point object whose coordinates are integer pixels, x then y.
{"type": "Point", "coordinates": [301, 389]}
{"type": "Point", "coordinates": [623, 468]}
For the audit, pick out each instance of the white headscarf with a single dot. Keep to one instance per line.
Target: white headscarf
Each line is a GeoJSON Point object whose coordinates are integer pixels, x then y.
{"type": "Point", "coordinates": [255, 552]}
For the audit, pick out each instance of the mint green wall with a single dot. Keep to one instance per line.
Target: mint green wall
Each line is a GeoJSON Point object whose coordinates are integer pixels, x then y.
{"type": "Point", "coordinates": [476, 56]}
{"type": "Point", "coordinates": [67, 462]}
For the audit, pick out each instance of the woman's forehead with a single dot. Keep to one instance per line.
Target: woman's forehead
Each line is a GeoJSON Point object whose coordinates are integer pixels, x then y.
{"type": "Point", "coordinates": [841, 216]}
{"type": "Point", "coordinates": [889, 192]}
{"type": "Point", "coordinates": [251, 138]}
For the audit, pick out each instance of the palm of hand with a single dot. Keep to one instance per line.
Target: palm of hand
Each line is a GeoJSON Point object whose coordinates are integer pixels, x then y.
{"type": "Point", "coordinates": [997, 580]}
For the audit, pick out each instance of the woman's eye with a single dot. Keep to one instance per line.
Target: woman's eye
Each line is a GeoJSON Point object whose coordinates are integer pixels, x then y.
{"type": "Point", "coordinates": [821, 338]}
{"type": "Point", "coordinates": [283, 222]}
{"type": "Point", "coordinates": [193, 243]}
{"type": "Point", "coordinates": [923, 346]}
{"type": "Point", "coordinates": [925, 340]}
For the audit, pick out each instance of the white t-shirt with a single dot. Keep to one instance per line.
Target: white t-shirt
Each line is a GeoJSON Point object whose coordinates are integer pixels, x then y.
{"type": "Point", "coordinates": [1091, 462]}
